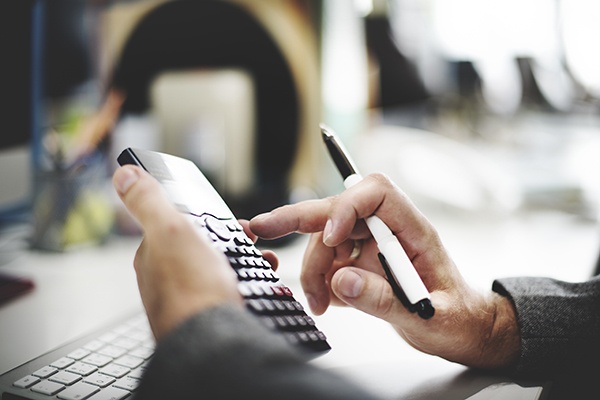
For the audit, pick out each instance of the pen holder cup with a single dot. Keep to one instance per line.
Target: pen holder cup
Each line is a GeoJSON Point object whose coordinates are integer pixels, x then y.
{"type": "Point", "coordinates": [71, 207]}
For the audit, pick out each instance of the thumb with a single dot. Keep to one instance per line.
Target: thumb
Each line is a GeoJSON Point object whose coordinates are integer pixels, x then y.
{"type": "Point", "coordinates": [368, 292]}
{"type": "Point", "coordinates": [144, 197]}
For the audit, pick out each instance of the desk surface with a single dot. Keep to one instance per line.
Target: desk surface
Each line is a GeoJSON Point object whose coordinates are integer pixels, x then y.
{"type": "Point", "coordinates": [82, 290]}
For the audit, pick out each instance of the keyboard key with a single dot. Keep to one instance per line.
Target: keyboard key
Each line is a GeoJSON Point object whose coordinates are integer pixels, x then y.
{"type": "Point", "coordinates": [142, 352]}
{"type": "Point", "coordinates": [137, 373]}
{"type": "Point", "coordinates": [48, 388]}
{"type": "Point", "coordinates": [79, 391]}
{"type": "Point", "coordinates": [78, 354]}
{"type": "Point", "coordinates": [99, 360]}
{"type": "Point", "coordinates": [110, 393]}
{"type": "Point", "coordinates": [122, 329]}
{"type": "Point", "coordinates": [99, 379]}
{"type": "Point", "coordinates": [126, 343]}
{"type": "Point", "coordinates": [112, 351]}
{"type": "Point", "coordinates": [81, 368]}
{"type": "Point", "coordinates": [26, 382]}
{"type": "Point", "coordinates": [65, 378]}
{"type": "Point", "coordinates": [129, 361]}
{"type": "Point", "coordinates": [127, 383]}
{"type": "Point", "coordinates": [139, 334]}
{"type": "Point", "coordinates": [117, 371]}
{"type": "Point", "coordinates": [62, 362]}
{"type": "Point", "coordinates": [45, 372]}
{"type": "Point", "coordinates": [94, 345]}
{"type": "Point", "coordinates": [108, 337]}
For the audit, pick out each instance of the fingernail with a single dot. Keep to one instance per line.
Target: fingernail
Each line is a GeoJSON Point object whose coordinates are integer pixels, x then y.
{"type": "Point", "coordinates": [312, 303]}
{"type": "Point", "coordinates": [350, 284]}
{"type": "Point", "coordinates": [328, 232]}
{"type": "Point", "coordinates": [261, 217]}
{"type": "Point", "coordinates": [124, 178]}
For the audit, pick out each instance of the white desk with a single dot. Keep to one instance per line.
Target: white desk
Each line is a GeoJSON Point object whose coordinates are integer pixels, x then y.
{"type": "Point", "coordinates": [79, 291]}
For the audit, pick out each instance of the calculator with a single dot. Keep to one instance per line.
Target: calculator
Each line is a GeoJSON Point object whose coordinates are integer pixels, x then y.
{"type": "Point", "coordinates": [266, 296]}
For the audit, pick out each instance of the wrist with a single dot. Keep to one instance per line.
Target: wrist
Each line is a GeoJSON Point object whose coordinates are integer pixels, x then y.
{"type": "Point", "coordinates": [501, 346]}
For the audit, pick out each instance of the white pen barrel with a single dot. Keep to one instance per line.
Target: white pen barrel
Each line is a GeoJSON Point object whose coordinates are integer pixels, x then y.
{"type": "Point", "coordinates": [406, 275]}
{"type": "Point", "coordinates": [400, 265]}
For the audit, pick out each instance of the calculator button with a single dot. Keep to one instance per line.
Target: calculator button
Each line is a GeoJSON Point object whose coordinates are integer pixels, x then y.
{"type": "Point", "coordinates": [245, 290]}
{"type": "Point", "coordinates": [279, 305]}
{"type": "Point", "coordinates": [255, 252]}
{"type": "Point", "coordinates": [26, 382]}
{"type": "Point", "coordinates": [255, 305]}
{"type": "Point", "coordinates": [251, 274]}
{"type": "Point", "coordinates": [268, 305]}
{"type": "Point", "coordinates": [78, 391]}
{"type": "Point", "coordinates": [48, 388]}
{"type": "Point", "coordinates": [291, 321]}
{"type": "Point", "coordinates": [218, 228]}
{"type": "Point", "coordinates": [256, 290]}
{"type": "Point", "coordinates": [312, 336]}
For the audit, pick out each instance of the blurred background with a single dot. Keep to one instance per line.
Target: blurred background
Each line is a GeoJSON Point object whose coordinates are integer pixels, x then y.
{"type": "Point", "coordinates": [483, 112]}
{"type": "Point", "coordinates": [486, 113]}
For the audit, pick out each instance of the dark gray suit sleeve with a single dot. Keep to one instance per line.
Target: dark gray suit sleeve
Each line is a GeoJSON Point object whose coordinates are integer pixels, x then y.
{"type": "Point", "coordinates": [225, 353]}
{"type": "Point", "coordinates": [559, 324]}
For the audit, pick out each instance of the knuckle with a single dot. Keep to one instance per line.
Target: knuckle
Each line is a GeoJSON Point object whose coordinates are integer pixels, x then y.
{"type": "Point", "coordinates": [381, 178]}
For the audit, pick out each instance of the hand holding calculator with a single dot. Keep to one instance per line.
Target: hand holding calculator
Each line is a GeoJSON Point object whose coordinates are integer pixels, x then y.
{"type": "Point", "coordinates": [264, 293]}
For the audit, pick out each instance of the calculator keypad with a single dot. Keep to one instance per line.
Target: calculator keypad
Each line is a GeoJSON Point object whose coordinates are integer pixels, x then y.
{"type": "Point", "coordinates": [264, 293]}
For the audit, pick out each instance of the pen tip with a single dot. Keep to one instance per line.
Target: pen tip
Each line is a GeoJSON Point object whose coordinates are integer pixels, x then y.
{"type": "Point", "coordinates": [326, 131]}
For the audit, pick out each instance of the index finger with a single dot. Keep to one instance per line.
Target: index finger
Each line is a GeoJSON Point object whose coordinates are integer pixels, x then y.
{"type": "Point", "coordinates": [305, 217]}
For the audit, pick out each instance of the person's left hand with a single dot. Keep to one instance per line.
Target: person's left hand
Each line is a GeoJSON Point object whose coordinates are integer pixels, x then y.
{"type": "Point", "coordinates": [179, 272]}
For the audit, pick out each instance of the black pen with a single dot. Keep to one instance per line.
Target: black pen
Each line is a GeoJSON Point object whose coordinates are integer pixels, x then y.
{"type": "Point", "coordinates": [403, 277]}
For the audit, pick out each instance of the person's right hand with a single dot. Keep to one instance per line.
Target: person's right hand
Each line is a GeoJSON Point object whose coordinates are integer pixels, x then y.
{"type": "Point", "coordinates": [468, 327]}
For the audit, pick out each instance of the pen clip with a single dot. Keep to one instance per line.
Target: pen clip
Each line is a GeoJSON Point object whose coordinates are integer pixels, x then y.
{"type": "Point", "coordinates": [395, 287]}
